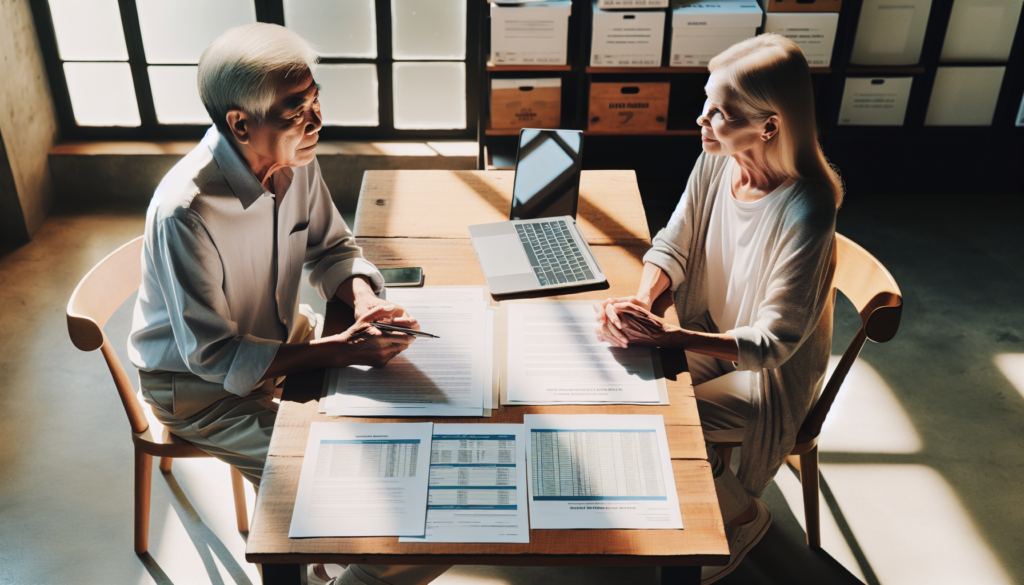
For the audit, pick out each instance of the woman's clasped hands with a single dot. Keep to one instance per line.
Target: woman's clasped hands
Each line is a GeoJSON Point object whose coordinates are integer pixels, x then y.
{"type": "Point", "coordinates": [628, 320]}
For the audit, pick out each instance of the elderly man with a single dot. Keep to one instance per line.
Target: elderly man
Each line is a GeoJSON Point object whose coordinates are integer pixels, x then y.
{"type": "Point", "coordinates": [229, 228]}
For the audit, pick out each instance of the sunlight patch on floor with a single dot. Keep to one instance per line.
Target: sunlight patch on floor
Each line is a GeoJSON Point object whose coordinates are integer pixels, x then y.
{"type": "Point", "coordinates": [911, 525]}
{"type": "Point", "coordinates": [1012, 366]}
{"type": "Point", "coordinates": [831, 538]}
{"type": "Point", "coordinates": [867, 417]}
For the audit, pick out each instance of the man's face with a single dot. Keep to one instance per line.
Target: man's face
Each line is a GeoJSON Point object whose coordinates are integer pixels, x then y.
{"type": "Point", "coordinates": [291, 129]}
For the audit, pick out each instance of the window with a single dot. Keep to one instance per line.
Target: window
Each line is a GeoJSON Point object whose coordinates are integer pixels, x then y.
{"type": "Point", "coordinates": [390, 69]}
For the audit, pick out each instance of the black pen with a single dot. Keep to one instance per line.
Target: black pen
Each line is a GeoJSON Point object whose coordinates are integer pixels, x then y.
{"type": "Point", "coordinates": [406, 330]}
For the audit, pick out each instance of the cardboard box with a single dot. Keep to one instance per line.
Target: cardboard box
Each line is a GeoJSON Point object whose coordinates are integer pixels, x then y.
{"type": "Point", "coordinates": [875, 101]}
{"type": "Point", "coordinates": [627, 38]}
{"type": "Point", "coordinates": [701, 30]}
{"type": "Point", "coordinates": [628, 108]}
{"type": "Point", "coordinates": [815, 32]}
{"type": "Point", "coordinates": [526, 103]}
{"type": "Point", "coordinates": [804, 5]}
{"type": "Point", "coordinates": [530, 34]}
{"type": "Point", "coordinates": [619, 4]}
{"type": "Point", "coordinates": [890, 32]}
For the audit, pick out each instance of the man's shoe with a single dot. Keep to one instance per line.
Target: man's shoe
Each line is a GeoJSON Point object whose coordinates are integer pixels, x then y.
{"type": "Point", "coordinates": [742, 538]}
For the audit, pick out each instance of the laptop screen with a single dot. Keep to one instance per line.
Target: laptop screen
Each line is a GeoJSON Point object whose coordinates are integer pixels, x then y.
{"type": "Point", "coordinates": [547, 180]}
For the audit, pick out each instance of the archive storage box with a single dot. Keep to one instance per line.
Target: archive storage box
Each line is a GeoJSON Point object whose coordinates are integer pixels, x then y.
{"type": "Point", "coordinates": [814, 32]}
{"type": "Point", "coordinates": [631, 38]}
{"type": "Point", "coordinates": [526, 103]}
{"type": "Point", "coordinates": [804, 5]}
{"type": "Point", "coordinates": [628, 108]}
{"type": "Point", "coordinates": [530, 34]}
{"type": "Point", "coordinates": [703, 29]}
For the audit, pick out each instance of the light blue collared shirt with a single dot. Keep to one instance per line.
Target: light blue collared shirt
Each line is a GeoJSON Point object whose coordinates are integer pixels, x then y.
{"type": "Point", "coordinates": [221, 267]}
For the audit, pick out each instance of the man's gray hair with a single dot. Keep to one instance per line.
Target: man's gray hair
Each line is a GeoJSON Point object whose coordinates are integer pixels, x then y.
{"type": "Point", "coordinates": [238, 70]}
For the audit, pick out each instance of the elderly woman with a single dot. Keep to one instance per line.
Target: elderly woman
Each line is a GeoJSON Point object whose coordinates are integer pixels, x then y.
{"type": "Point", "coordinates": [217, 321]}
{"type": "Point", "coordinates": [747, 256]}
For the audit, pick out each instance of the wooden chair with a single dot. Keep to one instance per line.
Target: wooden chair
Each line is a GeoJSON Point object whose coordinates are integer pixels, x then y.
{"type": "Point", "coordinates": [877, 298]}
{"type": "Point", "coordinates": [95, 299]}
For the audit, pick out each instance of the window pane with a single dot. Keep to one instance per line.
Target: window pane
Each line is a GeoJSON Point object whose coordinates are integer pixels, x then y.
{"type": "Point", "coordinates": [176, 95]}
{"type": "Point", "coordinates": [88, 30]}
{"type": "Point", "coordinates": [102, 94]}
{"type": "Point", "coordinates": [177, 31]}
{"type": "Point", "coordinates": [428, 29]}
{"type": "Point", "coordinates": [430, 95]}
{"type": "Point", "coordinates": [348, 94]}
{"type": "Point", "coordinates": [337, 28]}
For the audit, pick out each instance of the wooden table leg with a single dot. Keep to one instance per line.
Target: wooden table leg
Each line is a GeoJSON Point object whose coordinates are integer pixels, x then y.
{"type": "Point", "coordinates": [680, 576]}
{"type": "Point", "coordinates": [283, 574]}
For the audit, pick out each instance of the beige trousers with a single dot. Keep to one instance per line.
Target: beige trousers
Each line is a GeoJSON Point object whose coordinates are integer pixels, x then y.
{"type": "Point", "coordinates": [723, 403]}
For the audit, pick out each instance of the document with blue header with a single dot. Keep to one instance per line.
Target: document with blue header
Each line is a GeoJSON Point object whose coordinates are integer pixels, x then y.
{"type": "Point", "coordinates": [363, 479]}
{"type": "Point", "coordinates": [477, 485]}
{"type": "Point", "coordinates": [600, 471]}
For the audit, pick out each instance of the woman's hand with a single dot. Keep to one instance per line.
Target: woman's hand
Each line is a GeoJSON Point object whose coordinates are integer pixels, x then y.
{"type": "Point", "coordinates": [635, 324]}
{"type": "Point", "coordinates": [365, 345]}
{"type": "Point", "coordinates": [609, 328]}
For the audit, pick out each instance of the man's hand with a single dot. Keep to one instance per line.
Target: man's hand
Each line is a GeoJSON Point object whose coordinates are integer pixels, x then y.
{"type": "Point", "coordinates": [609, 326]}
{"type": "Point", "coordinates": [365, 345]}
{"type": "Point", "coordinates": [634, 324]}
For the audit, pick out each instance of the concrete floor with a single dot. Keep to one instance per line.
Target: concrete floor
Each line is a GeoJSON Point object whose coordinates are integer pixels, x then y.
{"type": "Point", "coordinates": [922, 460]}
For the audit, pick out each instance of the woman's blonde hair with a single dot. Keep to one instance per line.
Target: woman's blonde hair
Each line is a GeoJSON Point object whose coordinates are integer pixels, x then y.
{"type": "Point", "coordinates": [768, 75]}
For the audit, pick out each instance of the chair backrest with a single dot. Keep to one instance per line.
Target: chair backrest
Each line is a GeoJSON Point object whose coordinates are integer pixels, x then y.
{"type": "Point", "coordinates": [95, 299]}
{"type": "Point", "coordinates": [873, 291]}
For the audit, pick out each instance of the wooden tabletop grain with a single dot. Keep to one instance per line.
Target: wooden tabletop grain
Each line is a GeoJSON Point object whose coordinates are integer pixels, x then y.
{"type": "Point", "coordinates": [441, 204]}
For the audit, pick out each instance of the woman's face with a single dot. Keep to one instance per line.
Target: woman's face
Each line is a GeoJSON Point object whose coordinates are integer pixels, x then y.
{"type": "Point", "coordinates": [724, 129]}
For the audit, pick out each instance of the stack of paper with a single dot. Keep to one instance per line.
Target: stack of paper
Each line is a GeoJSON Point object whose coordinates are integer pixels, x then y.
{"type": "Point", "coordinates": [363, 479]}
{"type": "Point", "coordinates": [477, 485]}
{"type": "Point", "coordinates": [552, 356]}
{"type": "Point", "coordinates": [452, 375]}
{"type": "Point", "coordinates": [600, 471]}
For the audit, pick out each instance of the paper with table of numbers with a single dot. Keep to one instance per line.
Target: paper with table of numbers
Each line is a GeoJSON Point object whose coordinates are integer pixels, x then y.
{"type": "Point", "coordinates": [552, 356]}
{"type": "Point", "coordinates": [363, 479]}
{"type": "Point", "coordinates": [447, 376]}
{"type": "Point", "coordinates": [600, 471]}
{"type": "Point", "coordinates": [477, 485]}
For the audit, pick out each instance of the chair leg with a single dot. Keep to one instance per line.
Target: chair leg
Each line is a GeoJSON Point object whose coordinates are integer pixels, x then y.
{"type": "Point", "coordinates": [724, 453]}
{"type": "Point", "coordinates": [238, 488]}
{"type": "Point", "coordinates": [809, 481]}
{"type": "Point", "coordinates": [165, 464]}
{"type": "Point", "coordinates": [143, 483]}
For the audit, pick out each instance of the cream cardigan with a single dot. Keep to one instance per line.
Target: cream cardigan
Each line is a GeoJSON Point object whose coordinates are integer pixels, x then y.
{"type": "Point", "coordinates": [788, 344]}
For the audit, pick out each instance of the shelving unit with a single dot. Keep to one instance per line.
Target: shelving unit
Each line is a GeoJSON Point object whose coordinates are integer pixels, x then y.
{"type": "Point", "coordinates": [687, 92]}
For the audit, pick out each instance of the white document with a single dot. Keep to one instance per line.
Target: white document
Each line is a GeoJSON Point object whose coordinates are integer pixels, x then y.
{"type": "Point", "coordinates": [433, 377]}
{"type": "Point", "coordinates": [554, 357]}
{"type": "Point", "coordinates": [875, 101]}
{"type": "Point", "coordinates": [964, 96]}
{"type": "Point", "coordinates": [890, 32]}
{"type": "Point", "coordinates": [363, 479]}
{"type": "Point", "coordinates": [600, 471]}
{"type": "Point", "coordinates": [477, 485]}
{"type": "Point", "coordinates": [492, 382]}
{"type": "Point", "coordinates": [981, 30]}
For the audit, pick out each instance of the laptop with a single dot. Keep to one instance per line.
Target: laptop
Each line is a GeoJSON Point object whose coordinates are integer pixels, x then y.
{"type": "Point", "coordinates": [540, 248]}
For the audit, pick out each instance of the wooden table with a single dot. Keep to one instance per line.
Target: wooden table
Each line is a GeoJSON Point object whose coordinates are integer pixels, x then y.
{"type": "Point", "coordinates": [452, 261]}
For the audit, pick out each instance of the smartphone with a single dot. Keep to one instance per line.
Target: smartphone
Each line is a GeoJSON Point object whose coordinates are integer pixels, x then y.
{"type": "Point", "coordinates": [402, 276]}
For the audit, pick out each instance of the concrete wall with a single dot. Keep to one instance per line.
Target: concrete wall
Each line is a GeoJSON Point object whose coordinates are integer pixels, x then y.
{"type": "Point", "coordinates": [125, 174]}
{"type": "Point", "coordinates": [28, 125]}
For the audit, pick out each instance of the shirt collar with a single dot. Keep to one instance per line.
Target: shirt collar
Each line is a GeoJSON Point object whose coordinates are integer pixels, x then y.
{"type": "Point", "coordinates": [243, 183]}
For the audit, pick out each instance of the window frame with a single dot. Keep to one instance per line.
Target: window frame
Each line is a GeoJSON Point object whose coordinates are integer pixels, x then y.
{"type": "Point", "coordinates": [271, 11]}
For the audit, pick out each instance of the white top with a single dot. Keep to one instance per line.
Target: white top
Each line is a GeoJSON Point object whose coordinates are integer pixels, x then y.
{"type": "Point", "coordinates": [221, 263]}
{"type": "Point", "coordinates": [738, 235]}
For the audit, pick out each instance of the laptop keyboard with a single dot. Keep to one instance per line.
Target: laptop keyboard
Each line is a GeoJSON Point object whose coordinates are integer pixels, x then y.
{"type": "Point", "coordinates": [553, 253]}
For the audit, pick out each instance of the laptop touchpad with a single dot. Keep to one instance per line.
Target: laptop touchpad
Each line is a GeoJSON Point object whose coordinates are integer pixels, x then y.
{"type": "Point", "coordinates": [503, 255]}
